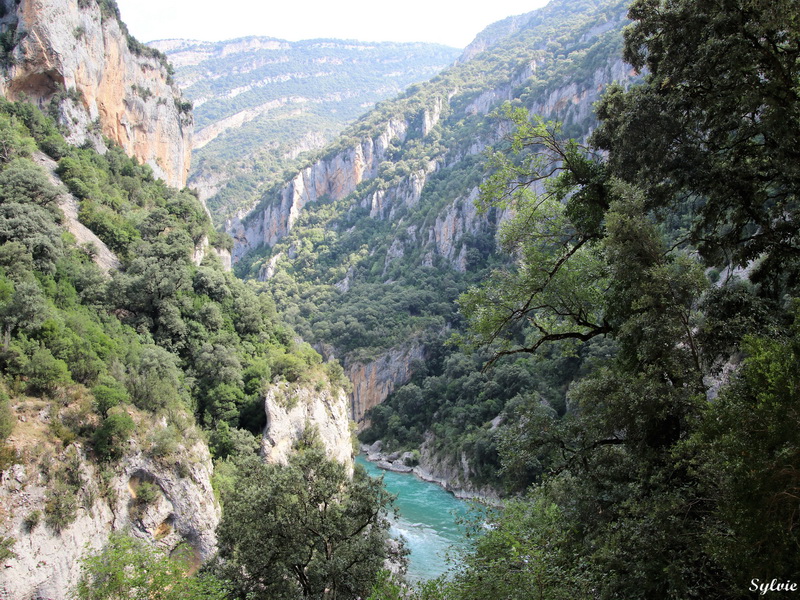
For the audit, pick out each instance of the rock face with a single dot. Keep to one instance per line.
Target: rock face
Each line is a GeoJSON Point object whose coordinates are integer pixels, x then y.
{"type": "Point", "coordinates": [76, 60]}
{"type": "Point", "coordinates": [339, 174]}
{"type": "Point", "coordinates": [373, 381]}
{"type": "Point", "coordinates": [292, 410]}
{"type": "Point", "coordinates": [454, 475]}
{"type": "Point", "coordinates": [46, 565]}
{"type": "Point", "coordinates": [334, 177]}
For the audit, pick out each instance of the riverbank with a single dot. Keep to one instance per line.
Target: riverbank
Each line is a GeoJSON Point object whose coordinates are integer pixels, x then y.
{"type": "Point", "coordinates": [421, 465]}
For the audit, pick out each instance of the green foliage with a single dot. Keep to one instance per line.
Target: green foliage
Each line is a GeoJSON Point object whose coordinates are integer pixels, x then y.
{"type": "Point", "coordinates": [130, 568]}
{"type": "Point", "coordinates": [521, 557]}
{"type": "Point", "coordinates": [161, 333]}
{"type": "Point", "coordinates": [60, 507]}
{"type": "Point", "coordinates": [655, 491]}
{"type": "Point", "coordinates": [744, 453]}
{"type": "Point", "coordinates": [6, 543]}
{"type": "Point", "coordinates": [7, 417]}
{"type": "Point", "coordinates": [32, 520]}
{"type": "Point", "coordinates": [716, 120]}
{"type": "Point", "coordinates": [107, 395]}
{"type": "Point", "coordinates": [305, 530]}
{"type": "Point", "coordinates": [110, 439]}
{"type": "Point", "coordinates": [47, 374]}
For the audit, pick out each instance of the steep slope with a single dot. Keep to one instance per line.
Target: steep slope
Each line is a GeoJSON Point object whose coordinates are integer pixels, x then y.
{"type": "Point", "coordinates": [391, 206]}
{"type": "Point", "coordinates": [260, 102]}
{"type": "Point", "coordinates": [105, 373]}
{"type": "Point", "coordinates": [77, 60]}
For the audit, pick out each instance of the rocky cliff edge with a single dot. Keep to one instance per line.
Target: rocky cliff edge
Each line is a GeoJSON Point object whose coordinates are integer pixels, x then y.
{"type": "Point", "coordinates": [75, 59]}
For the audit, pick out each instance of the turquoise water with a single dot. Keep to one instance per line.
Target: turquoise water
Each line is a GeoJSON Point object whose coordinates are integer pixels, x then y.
{"type": "Point", "coordinates": [427, 520]}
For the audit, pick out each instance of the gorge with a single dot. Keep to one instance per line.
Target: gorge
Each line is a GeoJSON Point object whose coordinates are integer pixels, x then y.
{"type": "Point", "coordinates": [556, 271]}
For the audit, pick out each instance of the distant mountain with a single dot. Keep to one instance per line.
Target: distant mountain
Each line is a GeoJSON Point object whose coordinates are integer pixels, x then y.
{"type": "Point", "coordinates": [260, 102]}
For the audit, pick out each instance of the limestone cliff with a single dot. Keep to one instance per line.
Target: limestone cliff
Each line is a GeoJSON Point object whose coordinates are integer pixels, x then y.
{"type": "Point", "coordinates": [374, 380]}
{"type": "Point", "coordinates": [293, 410]}
{"type": "Point", "coordinates": [46, 562]}
{"type": "Point", "coordinates": [78, 61]}
{"type": "Point", "coordinates": [335, 176]}
{"type": "Point", "coordinates": [453, 474]}
{"type": "Point", "coordinates": [339, 175]}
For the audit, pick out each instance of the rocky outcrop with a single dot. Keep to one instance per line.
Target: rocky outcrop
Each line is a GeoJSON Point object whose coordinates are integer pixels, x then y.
{"type": "Point", "coordinates": [335, 177]}
{"type": "Point", "coordinates": [211, 132]}
{"type": "Point", "coordinates": [374, 380]}
{"type": "Point", "coordinates": [294, 410]}
{"type": "Point", "coordinates": [453, 474]}
{"type": "Point", "coordinates": [77, 59]}
{"type": "Point", "coordinates": [494, 34]}
{"type": "Point", "coordinates": [182, 509]}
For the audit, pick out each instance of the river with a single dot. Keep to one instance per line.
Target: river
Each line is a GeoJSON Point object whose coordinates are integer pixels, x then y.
{"type": "Point", "coordinates": [427, 520]}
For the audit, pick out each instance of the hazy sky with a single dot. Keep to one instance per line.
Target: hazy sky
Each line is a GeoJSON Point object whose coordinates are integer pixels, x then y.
{"type": "Point", "coordinates": [451, 23]}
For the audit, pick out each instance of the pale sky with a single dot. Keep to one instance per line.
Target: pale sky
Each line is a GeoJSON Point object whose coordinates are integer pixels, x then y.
{"type": "Point", "coordinates": [450, 23]}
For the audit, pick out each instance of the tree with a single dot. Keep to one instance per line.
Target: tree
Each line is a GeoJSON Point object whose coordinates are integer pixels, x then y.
{"type": "Point", "coordinates": [112, 435]}
{"type": "Point", "coordinates": [745, 453]}
{"type": "Point", "coordinates": [557, 192]}
{"type": "Point", "coordinates": [717, 121]}
{"type": "Point", "coordinates": [23, 181]}
{"type": "Point", "coordinates": [304, 530]}
{"type": "Point", "coordinates": [131, 569]}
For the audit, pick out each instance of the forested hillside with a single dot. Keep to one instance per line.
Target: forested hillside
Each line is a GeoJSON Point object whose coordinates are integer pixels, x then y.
{"type": "Point", "coordinates": [673, 473]}
{"type": "Point", "coordinates": [259, 103]}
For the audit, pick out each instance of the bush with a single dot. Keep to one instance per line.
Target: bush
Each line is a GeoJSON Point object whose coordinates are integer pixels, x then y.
{"type": "Point", "coordinates": [146, 493]}
{"type": "Point", "coordinates": [129, 568]}
{"type": "Point", "coordinates": [32, 520]}
{"type": "Point", "coordinates": [46, 373]}
{"type": "Point", "coordinates": [109, 439]}
{"type": "Point", "coordinates": [7, 418]}
{"type": "Point", "coordinates": [60, 507]}
{"type": "Point", "coordinates": [107, 395]}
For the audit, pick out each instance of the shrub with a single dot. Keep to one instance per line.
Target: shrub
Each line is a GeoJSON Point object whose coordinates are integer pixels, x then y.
{"type": "Point", "coordinates": [6, 543]}
{"type": "Point", "coordinates": [107, 395]}
{"type": "Point", "coordinates": [46, 373]}
{"type": "Point", "coordinates": [60, 507]}
{"type": "Point", "coordinates": [110, 437]}
{"type": "Point", "coordinates": [32, 520]}
{"type": "Point", "coordinates": [146, 493]}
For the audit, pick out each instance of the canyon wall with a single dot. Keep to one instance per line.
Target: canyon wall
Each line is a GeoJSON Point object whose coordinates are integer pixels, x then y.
{"type": "Point", "coordinates": [374, 380]}
{"type": "Point", "coordinates": [294, 411]}
{"type": "Point", "coordinates": [77, 62]}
